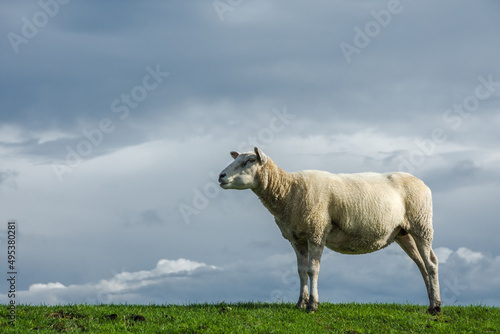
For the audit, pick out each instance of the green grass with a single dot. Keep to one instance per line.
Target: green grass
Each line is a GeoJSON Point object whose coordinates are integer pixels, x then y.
{"type": "Point", "coordinates": [250, 318]}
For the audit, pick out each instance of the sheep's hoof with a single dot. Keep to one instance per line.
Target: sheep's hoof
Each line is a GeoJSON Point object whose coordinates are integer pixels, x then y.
{"type": "Point", "coordinates": [312, 307]}
{"type": "Point", "coordinates": [302, 303]}
{"type": "Point", "coordinates": [434, 310]}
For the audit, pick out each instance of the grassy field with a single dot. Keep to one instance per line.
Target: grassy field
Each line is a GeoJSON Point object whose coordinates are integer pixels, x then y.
{"type": "Point", "coordinates": [250, 318]}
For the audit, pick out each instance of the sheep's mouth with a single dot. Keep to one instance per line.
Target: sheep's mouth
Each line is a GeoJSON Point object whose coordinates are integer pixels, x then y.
{"type": "Point", "coordinates": [223, 184]}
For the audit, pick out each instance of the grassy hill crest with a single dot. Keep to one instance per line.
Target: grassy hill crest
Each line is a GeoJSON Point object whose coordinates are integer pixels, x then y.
{"type": "Point", "coordinates": [250, 318]}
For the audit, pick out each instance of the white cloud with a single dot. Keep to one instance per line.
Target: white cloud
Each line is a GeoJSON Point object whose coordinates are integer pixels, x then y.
{"type": "Point", "coordinates": [40, 286]}
{"type": "Point", "coordinates": [468, 255]}
{"type": "Point", "coordinates": [10, 134]}
{"type": "Point", "coordinates": [470, 277]}
{"type": "Point", "coordinates": [122, 287]}
{"type": "Point", "coordinates": [53, 135]}
{"type": "Point", "coordinates": [135, 280]}
{"type": "Point", "coordinates": [443, 254]}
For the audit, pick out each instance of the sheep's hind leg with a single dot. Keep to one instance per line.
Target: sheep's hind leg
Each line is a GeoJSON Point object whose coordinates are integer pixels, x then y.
{"type": "Point", "coordinates": [301, 252]}
{"type": "Point", "coordinates": [315, 252]}
{"type": "Point", "coordinates": [408, 244]}
{"type": "Point", "coordinates": [431, 264]}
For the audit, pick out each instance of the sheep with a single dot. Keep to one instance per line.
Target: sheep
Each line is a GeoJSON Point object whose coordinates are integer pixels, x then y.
{"type": "Point", "coordinates": [348, 213]}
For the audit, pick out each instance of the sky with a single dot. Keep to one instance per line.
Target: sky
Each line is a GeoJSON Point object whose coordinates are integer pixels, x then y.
{"type": "Point", "coordinates": [116, 118]}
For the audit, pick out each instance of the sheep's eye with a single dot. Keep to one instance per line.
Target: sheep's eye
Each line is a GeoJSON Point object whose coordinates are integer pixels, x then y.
{"type": "Point", "coordinates": [244, 163]}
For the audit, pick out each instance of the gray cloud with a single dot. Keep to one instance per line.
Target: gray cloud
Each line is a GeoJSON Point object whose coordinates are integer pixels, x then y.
{"type": "Point", "coordinates": [115, 205]}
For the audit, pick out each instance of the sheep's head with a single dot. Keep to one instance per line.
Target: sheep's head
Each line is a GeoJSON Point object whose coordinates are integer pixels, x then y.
{"type": "Point", "coordinates": [241, 173]}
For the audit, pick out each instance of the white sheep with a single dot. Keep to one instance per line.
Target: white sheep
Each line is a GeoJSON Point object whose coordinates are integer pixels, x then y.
{"type": "Point", "coordinates": [348, 213]}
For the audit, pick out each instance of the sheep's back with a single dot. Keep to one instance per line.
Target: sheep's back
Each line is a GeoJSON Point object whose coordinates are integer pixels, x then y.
{"type": "Point", "coordinates": [372, 202]}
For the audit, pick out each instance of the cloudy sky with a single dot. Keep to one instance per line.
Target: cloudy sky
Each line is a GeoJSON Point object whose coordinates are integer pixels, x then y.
{"type": "Point", "coordinates": [117, 116]}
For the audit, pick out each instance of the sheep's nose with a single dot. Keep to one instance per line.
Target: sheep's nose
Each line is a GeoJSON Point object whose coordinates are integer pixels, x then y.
{"type": "Point", "coordinates": [221, 176]}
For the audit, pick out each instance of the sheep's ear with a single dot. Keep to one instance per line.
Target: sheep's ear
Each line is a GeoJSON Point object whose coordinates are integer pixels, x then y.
{"type": "Point", "coordinates": [260, 155]}
{"type": "Point", "coordinates": [234, 154]}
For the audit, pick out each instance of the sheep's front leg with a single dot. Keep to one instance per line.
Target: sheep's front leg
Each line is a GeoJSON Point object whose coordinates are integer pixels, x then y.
{"type": "Point", "coordinates": [302, 259]}
{"type": "Point", "coordinates": [315, 252]}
